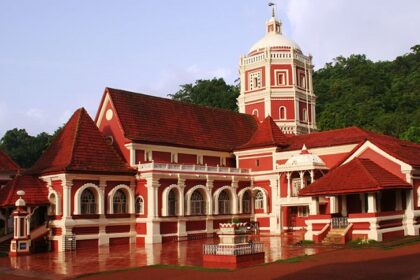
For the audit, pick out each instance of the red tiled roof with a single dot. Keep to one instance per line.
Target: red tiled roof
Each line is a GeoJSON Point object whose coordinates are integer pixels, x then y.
{"type": "Point", "coordinates": [359, 175]}
{"type": "Point", "coordinates": [36, 192]}
{"type": "Point", "coordinates": [268, 134]}
{"type": "Point", "coordinates": [403, 150]}
{"type": "Point", "coordinates": [156, 120]}
{"type": "Point", "coordinates": [7, 164]}
{"type": "Point", "coordinates": [80, 147]}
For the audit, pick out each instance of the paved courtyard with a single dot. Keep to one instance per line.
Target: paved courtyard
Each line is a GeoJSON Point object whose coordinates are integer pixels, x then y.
{"type": "Point", "coordinates": [69, 264]}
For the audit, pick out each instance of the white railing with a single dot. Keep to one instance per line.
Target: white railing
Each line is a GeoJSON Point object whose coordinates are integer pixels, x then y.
{"type": "Point", "coordinates": [233, 250]}
{"type": "Point", "coordinates": [191, 167]}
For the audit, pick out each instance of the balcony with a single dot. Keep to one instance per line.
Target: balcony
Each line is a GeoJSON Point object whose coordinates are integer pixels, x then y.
{"type": "Point", "coordinates": [175, 167]}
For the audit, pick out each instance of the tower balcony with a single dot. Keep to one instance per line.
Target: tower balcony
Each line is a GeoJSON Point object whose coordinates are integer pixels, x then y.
{"type": "Point", "coordinates": [191, 168]}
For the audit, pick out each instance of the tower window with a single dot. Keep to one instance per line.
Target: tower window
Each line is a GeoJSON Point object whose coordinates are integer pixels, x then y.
{"type": "Point", "coordinates": [305, 115]}
{"type": "Point", "coordinates": [255, 112]}
{"type": "Point", "coordinates": [282, 113]}
{"type": "Point", "coordinates": [254, 80]}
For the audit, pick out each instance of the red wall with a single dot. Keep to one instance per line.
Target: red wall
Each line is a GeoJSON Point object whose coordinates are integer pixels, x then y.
{"type": "Point", "coordinates": [265, 162]}
{"type": "Point", "coordinates": [187, 159]}
{"type": "Point", "coordinates": [290, 109]}
{"type": "Point", "coordinates": [259, 106]}
{"type": "Point", "coordinates": [114, 129]}
{"type": "Point", "coordinates": [212, 161]}
{"type": "Point", "coordinates": [162, 157]}
{"type": "Point", "coordinates": [286, 67]}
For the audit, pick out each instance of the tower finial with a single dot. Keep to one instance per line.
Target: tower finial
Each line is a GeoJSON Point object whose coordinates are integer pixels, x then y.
{"type": "Point", "coordinates": [273, 12]}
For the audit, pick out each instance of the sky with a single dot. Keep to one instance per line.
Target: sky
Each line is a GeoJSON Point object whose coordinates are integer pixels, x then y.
{"type": "Point", "coordinates": [57, 56]}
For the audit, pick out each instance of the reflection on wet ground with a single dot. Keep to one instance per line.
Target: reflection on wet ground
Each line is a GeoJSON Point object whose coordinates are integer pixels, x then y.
{"type": "Point", "coordinates": [67, 264]}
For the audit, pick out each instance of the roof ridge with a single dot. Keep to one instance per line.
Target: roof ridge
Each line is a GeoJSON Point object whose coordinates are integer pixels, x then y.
{"type": "Point", "coordinates": [122, 91]}
{"type": "Point", "coordinates": [76, 135]}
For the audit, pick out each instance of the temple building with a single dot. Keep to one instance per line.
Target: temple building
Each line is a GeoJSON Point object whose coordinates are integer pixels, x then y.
{"type": "Point", "coordinates": [149, 169]}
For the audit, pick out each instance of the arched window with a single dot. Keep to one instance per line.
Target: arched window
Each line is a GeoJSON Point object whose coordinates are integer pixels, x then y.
{"type": "Point", "coordinates": [172, 203]}
{"type": "Point", "coordinates": [120, 202]}
{"type": "Point", "coordinates": [224, 203]}
{"type": "Point", "coordinates": [255, 112]}
{"type": "Point", "coordinates": [87, 202]}
{"type": "Point", "coordinates": [246, 203]}
{"type": "Point", "coordinates": [282, 113]}
{"type": "Point", "coordinates": [53, 205]}
{"type": "Point", "coordinates": [259, 200]}
{"type": "Point", "coordinates": [198, 205]}
{"type": "Point", "coordinates": [139, 205]}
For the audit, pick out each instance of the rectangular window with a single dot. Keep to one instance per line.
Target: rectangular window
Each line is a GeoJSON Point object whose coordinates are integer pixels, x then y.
{"type": "Point", "coordinates": [295, 186]}
{"type": "Point", "coordinates": [303, 211]}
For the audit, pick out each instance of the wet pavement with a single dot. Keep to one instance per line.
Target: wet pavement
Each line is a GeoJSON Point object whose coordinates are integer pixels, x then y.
{"type": "Point", "coordinates": [69, 264]}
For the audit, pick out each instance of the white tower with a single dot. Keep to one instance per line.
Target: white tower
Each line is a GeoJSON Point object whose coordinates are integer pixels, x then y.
{"type": "Point", "coordinates": [276, 80]}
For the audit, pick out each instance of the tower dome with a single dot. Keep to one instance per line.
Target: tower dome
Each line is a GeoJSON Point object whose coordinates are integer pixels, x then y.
{"type": "Point", "coordinates": [273, 38]}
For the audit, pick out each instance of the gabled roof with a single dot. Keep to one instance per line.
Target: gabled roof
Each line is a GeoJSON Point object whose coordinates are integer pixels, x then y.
{"type": "Point", "coordinates": [405, 151]}
{"type": "Point", "coordinates": [80, 147]}
{"type": "Point", "coordinates": [36, 192]}
{"type": "Point", "coordinates": [357, 176]}
{"type": "Point", "coordinates": [162, 121]}
{"type": "Point", "coordinates": [7, 164]}
{"type": "Point", "coordinates": [268, 134]}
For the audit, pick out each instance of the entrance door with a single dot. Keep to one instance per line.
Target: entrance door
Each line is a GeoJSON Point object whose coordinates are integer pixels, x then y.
{"type": "Point", "coordinates": [292, 214]}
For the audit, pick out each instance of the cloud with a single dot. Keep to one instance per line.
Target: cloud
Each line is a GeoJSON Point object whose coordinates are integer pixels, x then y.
{"type": "Point", "coordinates": [328, 28]}
{"type": "Point", "coordinates": [170, 79]}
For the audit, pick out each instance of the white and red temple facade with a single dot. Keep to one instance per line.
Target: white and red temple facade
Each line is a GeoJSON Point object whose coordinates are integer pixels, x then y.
{"type": "Point", "coordinates": [150, 169]}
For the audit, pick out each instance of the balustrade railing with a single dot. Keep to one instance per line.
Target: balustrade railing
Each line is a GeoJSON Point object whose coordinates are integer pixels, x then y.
{"type": "Point", "coordinates": [233, 250]}
{"type": "Point", "coordinates": [191, 167]}
{"type": "Point", "coordinates": [339, 222]}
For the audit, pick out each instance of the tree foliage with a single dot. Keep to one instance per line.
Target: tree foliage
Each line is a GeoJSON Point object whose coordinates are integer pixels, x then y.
{"type": "Point", "coordinates": [212, 93]}
{"type": "Point", "coordinates": [381, 96]}
{"type": "Point", "coordinates": [23, 148]}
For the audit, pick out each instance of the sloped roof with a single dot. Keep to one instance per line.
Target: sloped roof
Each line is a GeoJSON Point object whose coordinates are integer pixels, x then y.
{"type": "Point", "coordinates": [156, 120]}
{"type": "Point", "coordinates": [268, 134]}
{"type": "Point", "coordinates": [357, 176]}
{"type": "Point", "coordinates": [80, 147]}
{"type": "Point", "coordinates": [36, 192]}
{"type": "Point", "coordinates": [7, 164]}
{"type": "Point", "coordinates": [405, 151]}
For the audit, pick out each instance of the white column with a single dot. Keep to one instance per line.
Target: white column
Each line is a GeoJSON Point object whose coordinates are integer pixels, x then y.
{"type": "Point", "coordinates": [343, 205]}
{"type": "Point", "coordinates": [209, 185]}
{"type": "Point", "coordinates": [409, 228]}
{"type": "Point", "coordinates": [372, 203]}
{"type": "Point", "coordinates": [314, 206]}
{"type": "Point", "coordinates": [312, 176]}
{"type": "Point", "coordinates": [275, 211]}
{"type": "Point", "coordinates": [67, 198]}
{"type": "Point", "coordinates": [333, 205]}
{"type": "Point", "coordinates": [289, 189]}
{"type": "Point", "coordinates": [301, 173]}
{"type": "Point", "coordinates": [101, 202]}
{"type": "Point", "coordinates": [181, 207]}
{"type": "Point", "coordinates": [152, 226]}
{"type": "Point", "coordinates": [235, 202]}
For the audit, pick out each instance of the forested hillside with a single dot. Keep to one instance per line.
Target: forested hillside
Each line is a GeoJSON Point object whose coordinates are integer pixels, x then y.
{"type": "Point", "coordinates": [381, 96]}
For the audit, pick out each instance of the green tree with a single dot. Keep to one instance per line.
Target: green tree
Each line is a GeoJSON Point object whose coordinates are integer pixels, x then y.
{"type": "Point", "coordinates": [212, 93]}
{"type": "Point", "coordinates": [23, 148]}
{"type": "Point", "coordinates": [382, 96]}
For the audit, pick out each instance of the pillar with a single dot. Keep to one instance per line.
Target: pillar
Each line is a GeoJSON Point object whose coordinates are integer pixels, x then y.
{"type": "Point", "coordinates": [181, 206]}
{"type": "Point", "coordinates": [333, 205]}
{"type": "Point", "coordinates": [21, 242]}
{"type": "Point", "coordinates": [152, 226]}
{"type": "Point", "coordinates": [275, 210]}
{"type": "Point", "coordinates": [301, 173]}
{"type": "Point", "coordinates": [409, 223]}
{"type": "Point", "coordinates": [314, 206]}
{"type": "Point", "coordinates": [289, 188]}
{"type": "Point", "coordinates": [235, 202]}
{"type": "Point", "coordinates": [372, 203]}
{"type": "Point", "coordinates": [312, 176]}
